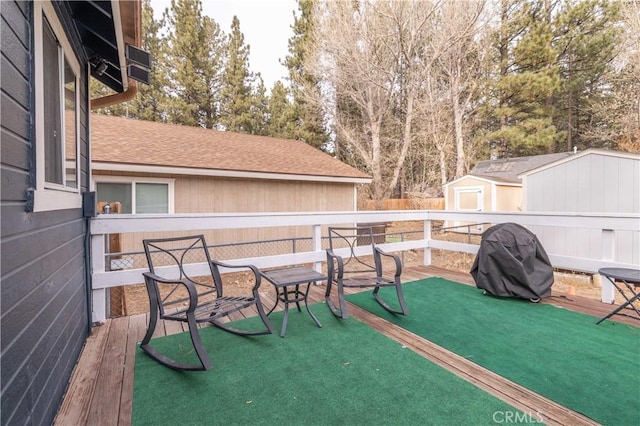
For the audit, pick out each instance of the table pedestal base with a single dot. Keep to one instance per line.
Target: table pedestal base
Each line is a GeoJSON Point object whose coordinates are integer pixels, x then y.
{"type": "Point", "coordinates": [623, 279]}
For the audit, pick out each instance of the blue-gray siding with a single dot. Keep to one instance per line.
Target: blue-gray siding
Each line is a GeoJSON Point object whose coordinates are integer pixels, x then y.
{"type": "Point", "coordinates": [43, 311]}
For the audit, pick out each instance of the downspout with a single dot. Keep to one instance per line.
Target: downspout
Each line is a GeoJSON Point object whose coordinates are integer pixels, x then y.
{"type": "Point", "coordinates": [117, 98]}
{"type": "Point", "coordinates": [88, 268]}
{"type": "Point", "coordinates": [105, 101]}
{"type": "Point", "coordinates": [102, 102]}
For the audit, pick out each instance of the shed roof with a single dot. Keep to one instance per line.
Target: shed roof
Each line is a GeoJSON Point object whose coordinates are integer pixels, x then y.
{"type": "Point", "coordinates": [590, 151]}
{"type": "Point", "coordinates": [134, 145]}
{"type": "Point", "coordinates": [509, 169]}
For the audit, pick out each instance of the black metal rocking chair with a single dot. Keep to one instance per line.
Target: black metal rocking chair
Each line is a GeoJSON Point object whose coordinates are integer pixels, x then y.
{"type": "Point", "coordinates": [191, 296]}
{"type": "Point", "coordinates": [355, 270]}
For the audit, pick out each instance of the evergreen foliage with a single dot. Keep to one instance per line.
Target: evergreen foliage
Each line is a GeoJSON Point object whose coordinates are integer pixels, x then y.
{"type": "Point", "coordinates": [195, 43]}
{"type": "Point", "coordinates": [586, 38]}
{"type": "Point", "coordinates": [282, 121]}
{"type": "Point", "coordinates": [554, 56]}
{"type": "Point", "coordinates": [308, 117]}
{"type": "Point", "coordinates": [235, 95]}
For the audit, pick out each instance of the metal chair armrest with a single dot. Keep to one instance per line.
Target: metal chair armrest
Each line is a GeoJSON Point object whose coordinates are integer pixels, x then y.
{"type": "Point", "coordinates": [396, 259]}
{"type": "Point", "coordinates": [331, 258]}
{"type": "Point", "coordinates": [191, 289]}
{"type": "Point", "coordinates": [253, 268]}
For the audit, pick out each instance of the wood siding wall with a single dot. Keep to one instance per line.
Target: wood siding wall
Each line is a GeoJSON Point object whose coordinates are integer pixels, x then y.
{"type": "Point", "coordinates": [592, 183]}
{"type": "Point", "coordinates": [43, 315]}
{"type": "Point", "coordinates": [508, 198]}
{"type": "Point", "coordinates": [200, 194]}
{"type": "Point", "coordinates": [468, 182]}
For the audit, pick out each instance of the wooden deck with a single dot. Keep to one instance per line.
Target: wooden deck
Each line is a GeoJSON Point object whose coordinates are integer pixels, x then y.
{"type": "Point", "coordinates": [101, 389]}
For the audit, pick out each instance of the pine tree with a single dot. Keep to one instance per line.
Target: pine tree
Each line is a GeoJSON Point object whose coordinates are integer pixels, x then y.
{"type": "Point", "coordinates": [194, 54]}
{"type": "Point", "coordinates": [529, 79]}
{"type": "Point", "coordinates": [281, 113]}
{"type": "Point", "coordinates": [586, 39]}
{"type": "Point", "coordinates": [259, 109]}
{"type": "Point", "coordinates": [308, 117]}
{"type": "Point", "coordinates": [236, 93]}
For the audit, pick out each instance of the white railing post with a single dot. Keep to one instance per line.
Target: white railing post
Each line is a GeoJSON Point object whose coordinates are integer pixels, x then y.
{"type": "Point", "coordinates": [317, 245]}
{"type": "Point", "coordinates": [427, 237]}
{"type": "Point", "coordinates": [98, 296]}
{"type": "Point", "coordinates": [608, 253]}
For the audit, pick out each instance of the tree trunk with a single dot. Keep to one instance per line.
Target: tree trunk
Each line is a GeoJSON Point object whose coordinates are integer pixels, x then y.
{"type": "Point", "coordinates": [444, 178]}
{"type": "Point", "coordinates": [459, 137]}
{"type": "Point", "coordinates": [406, 142]}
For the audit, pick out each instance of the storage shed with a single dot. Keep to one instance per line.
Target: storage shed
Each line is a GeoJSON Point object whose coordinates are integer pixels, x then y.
{"type": "Point", "coordinates": [592, 181]}
{"type": "Point", "coordinates": [152, 167]}
{"type": "Point", "coordinates": [492, 185]}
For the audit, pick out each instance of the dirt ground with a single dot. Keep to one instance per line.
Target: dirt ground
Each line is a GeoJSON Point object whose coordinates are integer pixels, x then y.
{"type": "Point", "coordinates": [135, 299]}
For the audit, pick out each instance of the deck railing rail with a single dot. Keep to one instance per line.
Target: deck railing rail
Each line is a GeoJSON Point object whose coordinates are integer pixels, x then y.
{"type": "Point", "coordinates": [615, 233]}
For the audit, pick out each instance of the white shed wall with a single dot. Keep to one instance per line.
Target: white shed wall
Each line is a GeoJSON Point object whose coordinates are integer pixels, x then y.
{"type": "Point", "coordinates": [589, 184]}
{"type": "Point", "coordinates": [592, 183]}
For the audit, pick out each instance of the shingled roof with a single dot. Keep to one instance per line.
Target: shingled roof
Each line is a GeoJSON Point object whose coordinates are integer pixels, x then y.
{"type": "Point", "coordinates": [126, 144]}
{"type": "Point", "coordinates": [508, 169]}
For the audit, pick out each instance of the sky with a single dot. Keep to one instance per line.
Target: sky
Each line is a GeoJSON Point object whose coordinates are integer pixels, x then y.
{"type": "Point", "coordinates": [266, 25]}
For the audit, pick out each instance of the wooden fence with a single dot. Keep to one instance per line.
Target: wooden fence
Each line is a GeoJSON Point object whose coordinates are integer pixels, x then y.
{"type": "Point", "coordinates": [404, 204]}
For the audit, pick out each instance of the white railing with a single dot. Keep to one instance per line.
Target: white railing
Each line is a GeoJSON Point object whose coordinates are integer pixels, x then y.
{"type": "Point", "coordinates": [607, 228]}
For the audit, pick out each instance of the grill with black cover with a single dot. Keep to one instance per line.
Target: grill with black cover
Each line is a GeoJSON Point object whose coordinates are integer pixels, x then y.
{"type": "Point", "coordinates": [511, 262]}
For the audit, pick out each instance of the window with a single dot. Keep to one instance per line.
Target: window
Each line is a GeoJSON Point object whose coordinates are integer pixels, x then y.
{"type": "Point", "coordinates": [57, 114]}
{"type": "Point", "coordinates": [137, 197]}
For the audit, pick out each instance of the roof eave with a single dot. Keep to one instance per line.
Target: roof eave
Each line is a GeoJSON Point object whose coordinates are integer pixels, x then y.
{"type": "Point", "coordinates": [486, 179]}
{"type": "Point", "coordinates": [172, 170]}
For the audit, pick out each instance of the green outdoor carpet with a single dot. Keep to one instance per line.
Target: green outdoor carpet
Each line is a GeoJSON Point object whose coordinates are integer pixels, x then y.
{"type": "Point", "coordinates": [562, 355]}
{"type": "Point", "coordinates": [344, 373]}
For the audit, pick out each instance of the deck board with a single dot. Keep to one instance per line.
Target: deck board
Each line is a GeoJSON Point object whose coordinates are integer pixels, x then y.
{"type": "Point", "coordinates": [137, 328]}
{"type": "Point", "coordinates": [101, 387]}
{"type": "Point", "coordinates": [75, 407]}
{"type": "Point", "coordinates": [104, 409]}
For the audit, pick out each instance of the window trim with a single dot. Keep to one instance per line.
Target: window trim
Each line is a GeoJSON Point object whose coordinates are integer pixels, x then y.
{"type": "Point", "coordinates": [135, 180]}
{"type": "Point", "coordinates": [478, 190]}
{"type": "Point", "coordinates": [49, 196]}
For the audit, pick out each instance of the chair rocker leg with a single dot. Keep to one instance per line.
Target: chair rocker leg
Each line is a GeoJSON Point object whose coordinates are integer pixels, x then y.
{"type": "Point", "coordinates": [387, 307]}
{"type": "Point", "coordinates": [337, 312]}
{"type": "Point", "coordinates": [205, 362]}
{"type": "Point", "coordinates": [265, 320]}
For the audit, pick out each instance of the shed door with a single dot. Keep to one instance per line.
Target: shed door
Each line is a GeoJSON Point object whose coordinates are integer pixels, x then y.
{"type": "Point", "coordinates": [468, 199]}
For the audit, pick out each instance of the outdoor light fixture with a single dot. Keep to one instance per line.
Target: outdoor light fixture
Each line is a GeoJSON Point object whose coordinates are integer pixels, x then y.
{"type": "Point", "coordinates": [101, 66]}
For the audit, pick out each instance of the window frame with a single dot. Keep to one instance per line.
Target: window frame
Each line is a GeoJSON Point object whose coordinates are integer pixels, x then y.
{"type": "Point", "coordinates": [135, 180]}
{"type": "Point", "coordinates": [49, 196]}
